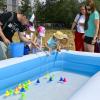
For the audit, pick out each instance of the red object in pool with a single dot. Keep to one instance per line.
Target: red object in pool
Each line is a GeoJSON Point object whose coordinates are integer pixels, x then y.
{"type": "Point", "coordinates": [65, 80]}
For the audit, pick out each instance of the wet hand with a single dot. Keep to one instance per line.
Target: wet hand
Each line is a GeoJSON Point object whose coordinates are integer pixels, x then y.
{"type": "Point", "coordinates": [6, 41]}
{"type": "Point", "coordinates": [73, 31]}
{"type": "Point", "coordinates": [93, 41]}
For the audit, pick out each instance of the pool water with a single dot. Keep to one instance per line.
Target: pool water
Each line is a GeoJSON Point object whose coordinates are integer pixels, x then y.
{"type": "Point", "coordinates": [52, 90]}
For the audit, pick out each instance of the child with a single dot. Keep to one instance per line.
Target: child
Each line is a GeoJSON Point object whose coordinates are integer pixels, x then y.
{"type": "Point", "coordinates": [28, 37]}
{"type": "Point", "coordinates": [64, 41]}
{"type": "Point", "coordinates": [54, 41]}
{"type": "Point", "coordinates": [38, 39]}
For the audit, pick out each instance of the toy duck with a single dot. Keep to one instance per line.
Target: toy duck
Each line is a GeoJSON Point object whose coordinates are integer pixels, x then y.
{"type": "Point", "coordinates": [7, 93]}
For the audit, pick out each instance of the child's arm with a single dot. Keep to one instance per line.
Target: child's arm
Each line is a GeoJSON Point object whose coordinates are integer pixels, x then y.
{"type": "Point", "coordinates": [23, 38]}
{"type": "Point", "coordinates": [46, 45]}
{"type": "Point", "coordinates": [34, 42]}
{"type": "Point", "coordinates": [58, 47]}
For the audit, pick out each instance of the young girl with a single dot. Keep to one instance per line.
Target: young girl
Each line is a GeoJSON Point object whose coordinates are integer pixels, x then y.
{"type": "Point", "coordinates": [38, 39]}
{"type": "Point", "coordinates": [28, 39]}
{"type": "Point", "coordinates": [54, 42]}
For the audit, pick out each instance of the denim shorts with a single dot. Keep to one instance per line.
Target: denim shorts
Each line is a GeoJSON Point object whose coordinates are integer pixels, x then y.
{"type": "Point", "coordinates": [88, 40]}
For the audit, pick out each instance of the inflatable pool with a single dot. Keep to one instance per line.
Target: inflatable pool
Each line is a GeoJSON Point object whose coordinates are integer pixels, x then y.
{"type": "Point", "coordinates": [80, 70]}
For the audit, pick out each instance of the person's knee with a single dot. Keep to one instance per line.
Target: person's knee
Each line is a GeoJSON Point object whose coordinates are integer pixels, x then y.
{"type": "Point", "coordinates": [90, 48]}
{"type": "Point", "coordinates": [85, 46]}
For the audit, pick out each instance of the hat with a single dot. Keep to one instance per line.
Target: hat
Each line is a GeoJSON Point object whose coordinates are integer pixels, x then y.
{"type": "Point", "coordinates": [32, 18]}
{"type": "Point", "coordinates": [41, 30]}
{"type": "Point", "coordinates": [58, 35]}
{"type": "Point", "coordinates": [30, 26]}
{"type": "Point", "coordinates": [65, 36]}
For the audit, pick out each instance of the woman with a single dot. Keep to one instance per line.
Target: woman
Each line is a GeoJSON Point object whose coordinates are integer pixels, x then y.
{"type": "Point", "coordinates": [79, 32]}
{"type": "Point", "coordinates": [88, 3]}
{"type": "Point", "coordinates": [92, 30]}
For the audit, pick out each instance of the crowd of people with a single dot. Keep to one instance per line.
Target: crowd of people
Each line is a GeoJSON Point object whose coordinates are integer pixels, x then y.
{"type": "Point", "coordinates": [85, 29]}
{"type": "Point", "coordinates": [11, 22]}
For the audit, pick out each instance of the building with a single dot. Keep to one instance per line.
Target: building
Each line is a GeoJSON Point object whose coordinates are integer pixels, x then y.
{"type": "Point", "coordinates": [12, 5]}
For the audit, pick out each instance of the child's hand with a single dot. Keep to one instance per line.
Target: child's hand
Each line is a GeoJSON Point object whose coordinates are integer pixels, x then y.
{"type": "Point", "coordinates": [58, 50]}
{"type": "Point", "coordinates": [50, 49]}
{"type": "Point", "coordinates": [37, 45]}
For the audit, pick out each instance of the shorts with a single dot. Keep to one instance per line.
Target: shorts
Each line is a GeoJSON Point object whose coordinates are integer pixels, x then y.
{"type": "Point", "coordinates": [88, 40]}
{"type": "Point", "coordinates": [26, 49]}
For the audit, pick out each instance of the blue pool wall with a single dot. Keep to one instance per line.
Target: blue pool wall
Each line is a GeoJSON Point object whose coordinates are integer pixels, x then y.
{"type": "Point", "coordinates": [32, 69]}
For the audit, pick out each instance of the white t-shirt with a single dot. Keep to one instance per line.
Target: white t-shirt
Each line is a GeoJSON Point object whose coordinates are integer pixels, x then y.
{"type": "Point", "coordinates": [80, 28]}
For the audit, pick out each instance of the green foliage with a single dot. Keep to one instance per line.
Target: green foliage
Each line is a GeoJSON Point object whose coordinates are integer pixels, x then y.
{"type": "Point", "coordinates": [97, 4]}
{"type": "Point", "coordinates": [54, 11]}
{"type": "Point", "coordinates": [2, 4]}
{"type": "Point", "coordinates": [26, 8]}
{"type": "Point", "coordinates": [39, 11]}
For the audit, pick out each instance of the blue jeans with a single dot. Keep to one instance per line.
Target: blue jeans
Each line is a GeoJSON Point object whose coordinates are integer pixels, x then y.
{"type": "Point", "coordinates": [3, 51]}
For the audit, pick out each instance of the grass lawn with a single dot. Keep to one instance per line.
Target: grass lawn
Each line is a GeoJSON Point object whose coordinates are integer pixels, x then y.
{"type": "Point", "coordinates": [50, 32]}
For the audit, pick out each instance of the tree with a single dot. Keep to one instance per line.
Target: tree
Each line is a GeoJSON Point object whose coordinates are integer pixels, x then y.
{"type": "Point", "coordinates": [26, 8]}
{"type": "Point", "coordinates": [39, 13]}
{"type": "Point", "coordinates": [58, 11]}
{"type": "Point", "coordinates": [97, 4]}
{"type": "Point", "coordinates": [2, 5]}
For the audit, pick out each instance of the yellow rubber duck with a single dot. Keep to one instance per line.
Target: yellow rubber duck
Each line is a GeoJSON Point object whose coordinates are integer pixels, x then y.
{"type": "Point", "coordinates": [20, 86]}
{"type": "Point", "coordinates": [7, 93]}
{"type": "Point", "coordinates": [16, 92]}
{"type": "Point", "coordinates": [29, 82]}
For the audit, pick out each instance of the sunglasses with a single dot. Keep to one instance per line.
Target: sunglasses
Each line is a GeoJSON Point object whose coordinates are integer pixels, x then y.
{"type": "Point", "coordinates": [82, 9]}
{"type": "Point", "coordinates": [89, 9]}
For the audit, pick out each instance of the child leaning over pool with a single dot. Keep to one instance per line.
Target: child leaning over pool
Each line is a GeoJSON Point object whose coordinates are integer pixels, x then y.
{"type": "Point", "coordinates": [54, 42]}
{"type": "Point", "coordinates": [38, 39]}
{"type": "Point", "coordinates": [27, 36]}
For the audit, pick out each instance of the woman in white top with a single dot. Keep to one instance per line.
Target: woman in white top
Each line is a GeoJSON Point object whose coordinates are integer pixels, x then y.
{"type": "Point", "coordinates": [79, 31]}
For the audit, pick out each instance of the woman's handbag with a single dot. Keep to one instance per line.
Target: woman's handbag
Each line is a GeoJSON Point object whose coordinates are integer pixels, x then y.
{"type": "Point", "coordinates": [97, 46]}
